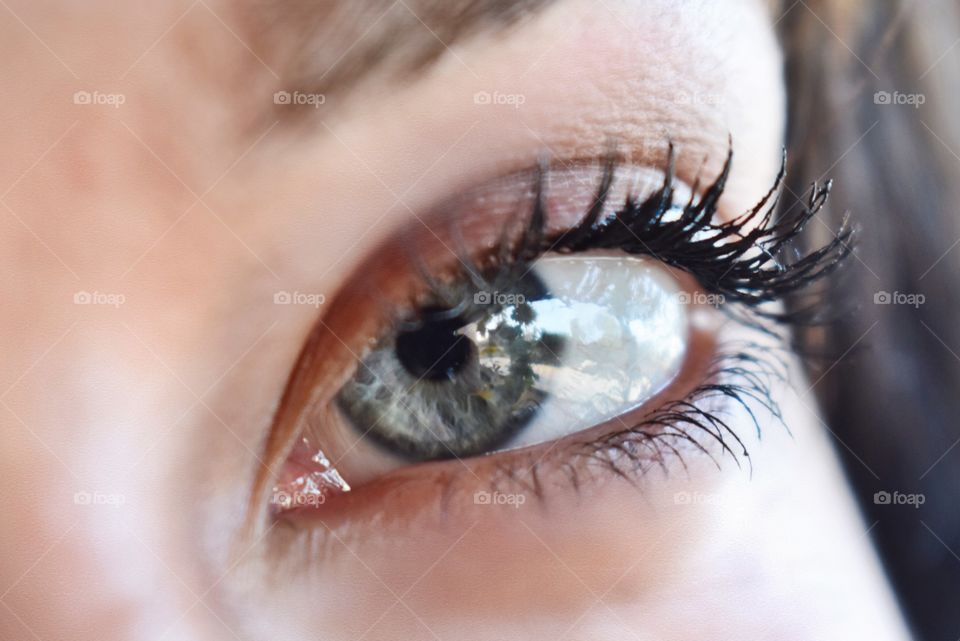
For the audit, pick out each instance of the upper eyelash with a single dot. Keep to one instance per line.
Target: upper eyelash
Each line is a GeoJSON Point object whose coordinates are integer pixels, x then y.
{"type": "Point", "coordinates": [751, 259]}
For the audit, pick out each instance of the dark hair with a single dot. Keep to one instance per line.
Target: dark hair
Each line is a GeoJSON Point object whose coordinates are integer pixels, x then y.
{"type": "Point", "coordinates": [873, 104]}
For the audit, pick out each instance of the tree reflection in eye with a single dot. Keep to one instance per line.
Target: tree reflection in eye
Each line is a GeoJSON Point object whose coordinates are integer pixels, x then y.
{"type": "Point", "coordinates": [581, 340]}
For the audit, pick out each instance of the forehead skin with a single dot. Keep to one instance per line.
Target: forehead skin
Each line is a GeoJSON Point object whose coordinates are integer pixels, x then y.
{"type": "Point", "coordinates": [175, 187]}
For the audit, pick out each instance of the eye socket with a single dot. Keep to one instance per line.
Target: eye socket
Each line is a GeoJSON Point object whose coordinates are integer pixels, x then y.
{"type": "Point", "coordinates": [573, 322]}
{"type": "Point", "coordinates": [577, 341]}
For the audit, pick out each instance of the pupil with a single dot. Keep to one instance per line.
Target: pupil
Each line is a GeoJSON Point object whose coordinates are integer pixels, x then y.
{"type": "Point", "coordinates": [434, 352]}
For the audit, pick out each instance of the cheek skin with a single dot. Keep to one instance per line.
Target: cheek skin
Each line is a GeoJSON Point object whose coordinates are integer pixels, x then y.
{"type": "Point", "coordinates": [669, 557]}
{"type": "Point", "coordinates": [99, 399]}
{"type": "Point", "coordinates": [785, 539]}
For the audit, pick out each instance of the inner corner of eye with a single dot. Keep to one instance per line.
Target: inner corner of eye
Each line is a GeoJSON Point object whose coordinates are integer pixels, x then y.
{"type": "Point", "coordinates": [571, 342]}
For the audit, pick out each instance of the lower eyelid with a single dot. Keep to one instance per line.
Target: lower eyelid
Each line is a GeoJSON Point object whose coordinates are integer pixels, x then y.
{"type": "Point", "coordinates": [623, 447]}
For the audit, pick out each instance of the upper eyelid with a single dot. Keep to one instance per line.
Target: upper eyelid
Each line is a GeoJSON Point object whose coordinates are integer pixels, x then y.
{"type": "Point", "coordinates": [638, 226]}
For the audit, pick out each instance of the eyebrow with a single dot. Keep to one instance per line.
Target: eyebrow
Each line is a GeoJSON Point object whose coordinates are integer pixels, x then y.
{"type": "Point", "coordinates": [330, 46]}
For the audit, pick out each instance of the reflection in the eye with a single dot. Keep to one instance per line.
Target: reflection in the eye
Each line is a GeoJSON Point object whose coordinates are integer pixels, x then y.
{"type": "Point", "coordinates": [457, 381]}
{"type": "Point", "coordinates": [576, 341]}
{"type": "Point", "coordinates": [311, 483]}
{"type": "Point", "coordinates": [580, 341]}
{"type": "Point", "coordinates": [623, 327]}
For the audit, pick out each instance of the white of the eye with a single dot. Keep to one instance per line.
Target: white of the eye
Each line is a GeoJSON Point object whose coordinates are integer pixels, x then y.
{"type": "Point", "coordinates": [626, 330]}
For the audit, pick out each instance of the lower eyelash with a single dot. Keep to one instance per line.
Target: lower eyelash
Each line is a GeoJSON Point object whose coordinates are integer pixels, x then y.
{"type": "Point", "coordinates": [743, 378]}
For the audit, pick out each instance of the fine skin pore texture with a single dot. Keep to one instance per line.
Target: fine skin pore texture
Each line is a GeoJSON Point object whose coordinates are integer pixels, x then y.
{"type": "Point", "coordinates": [198, 199]}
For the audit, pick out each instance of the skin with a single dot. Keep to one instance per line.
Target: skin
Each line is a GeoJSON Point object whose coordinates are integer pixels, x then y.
{"type": "Point", "coordinates": [196, 208]}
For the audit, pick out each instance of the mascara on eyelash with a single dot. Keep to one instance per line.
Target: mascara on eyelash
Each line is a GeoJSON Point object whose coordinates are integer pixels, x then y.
{"type": "Point", "coordinates": [750, 259]}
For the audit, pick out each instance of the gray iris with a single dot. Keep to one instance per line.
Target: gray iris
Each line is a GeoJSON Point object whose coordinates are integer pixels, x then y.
{"type": "Point", "coordinates": [459, 381]}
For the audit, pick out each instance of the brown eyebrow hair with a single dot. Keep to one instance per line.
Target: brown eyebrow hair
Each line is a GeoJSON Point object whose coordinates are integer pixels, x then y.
{"type": "Point", "coordinates": [330, 46]}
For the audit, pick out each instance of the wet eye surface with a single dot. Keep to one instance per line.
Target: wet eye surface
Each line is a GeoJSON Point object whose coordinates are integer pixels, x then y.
{"type": "Point", "coordinates": [457, 381]}
{"type": "Point", "coordinates": [564, 337]}
{"type": "Point", "coordinates": [573, 342]}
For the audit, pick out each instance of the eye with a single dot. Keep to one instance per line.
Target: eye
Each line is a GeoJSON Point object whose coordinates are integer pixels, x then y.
{"type": "Point", "coordinates": [576, 341]}
{"type": "Point", "coordinates": [585, 329]}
